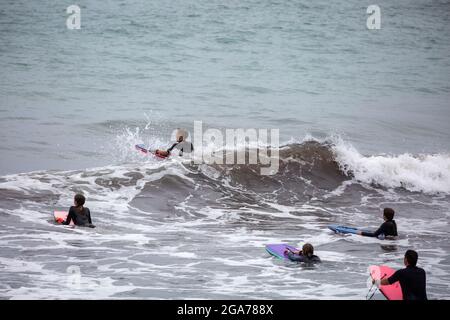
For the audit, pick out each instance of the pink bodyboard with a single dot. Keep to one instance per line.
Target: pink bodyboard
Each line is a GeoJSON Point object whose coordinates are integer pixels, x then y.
{"type": "Point", "coordinates": [391, 292]}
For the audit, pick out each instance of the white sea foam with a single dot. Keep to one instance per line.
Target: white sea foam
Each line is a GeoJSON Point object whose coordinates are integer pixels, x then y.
{"type": "Point", "coordinates": [429, 173]}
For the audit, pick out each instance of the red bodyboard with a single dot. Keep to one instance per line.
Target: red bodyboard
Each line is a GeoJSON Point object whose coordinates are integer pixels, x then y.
{"type": "Point", "coordinates": [61, 216]}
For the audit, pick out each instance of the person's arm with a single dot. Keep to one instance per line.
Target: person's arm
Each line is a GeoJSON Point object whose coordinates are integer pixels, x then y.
{"type": "Point", "coordinates": [394, 278]}
{"type": "Point", "coordinates": [295, 257]}
{"type": "Point", "coordinates": [171, 148]}
{"type": "Point", "coordinates": [90, 220]}
{"type": "Point", "coordinates": [293, 251]}
{"type": "Point", "coordinates": [166, 152]}
{"type": "Point", "coordinates": [69, 217]}
{"type": "Point", "coordinates": [373, 234]}
{"type": "Point", "coordinates": [388, 281]}
{"type": "Point", "coordinates": [381, 282]}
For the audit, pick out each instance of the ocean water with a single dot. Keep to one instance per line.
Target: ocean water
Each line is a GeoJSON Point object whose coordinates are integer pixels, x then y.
{"type": "Point", "coordinates": [363, 117]}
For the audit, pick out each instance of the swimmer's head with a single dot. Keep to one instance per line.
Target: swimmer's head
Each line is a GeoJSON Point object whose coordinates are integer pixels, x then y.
{"type": "Point", "coordinates": [411, 258]}
{"type": "Point", "coordinates": [181, 135]}
{"type": "Point", "coordinates": [388, 214]}
{"type": "Point", "coordinates": [307, 250]}
{"type": "Point", "coordinates": [79, 200]}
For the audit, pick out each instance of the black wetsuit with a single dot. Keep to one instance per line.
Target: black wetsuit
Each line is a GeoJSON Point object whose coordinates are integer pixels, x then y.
{"type": "Point", "coordinates": [302, 258]}
{"type": "Point", "coordinates": [183, 146]}
{"type": "Point", "coordinates": [388, 228]}
{"type": "Point", "coordinates": [413, 282]}
{"type": "Point", "coordinates": [79, 218]}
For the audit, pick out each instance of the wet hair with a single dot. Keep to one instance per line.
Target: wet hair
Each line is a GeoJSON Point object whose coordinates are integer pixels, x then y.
{"type": "Point", "coordinates": [411, 256]}
{"type": "Point", "coordinates": [389, 213]}
{"type": "Point", "coordinates": [79, 200]}
{"type": "Point", "coordinates": [308, 250]}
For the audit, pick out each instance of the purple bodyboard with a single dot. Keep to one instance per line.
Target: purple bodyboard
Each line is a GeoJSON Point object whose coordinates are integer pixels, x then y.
{"type": "Point", "coordinates": [277, 250]}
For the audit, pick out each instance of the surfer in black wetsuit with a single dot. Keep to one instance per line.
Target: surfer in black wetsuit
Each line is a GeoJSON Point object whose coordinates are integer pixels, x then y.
{"type": "Point", "coordinates": [305, 255]}
{"type": "Point", "coordinates": [412, 278]}
{"type": "Point", "coordinates": [80, 215]}
{"type": "Point", "coordinates": [388, 228]}
{"type": "Point", "coordinates": [181, 144]}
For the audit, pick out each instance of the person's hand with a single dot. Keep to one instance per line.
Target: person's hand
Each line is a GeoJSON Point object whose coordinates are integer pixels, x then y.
{"type": "Point", "coordinates": [377, 282]}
